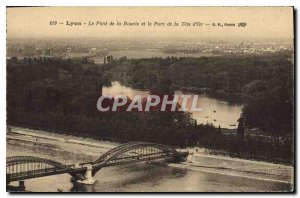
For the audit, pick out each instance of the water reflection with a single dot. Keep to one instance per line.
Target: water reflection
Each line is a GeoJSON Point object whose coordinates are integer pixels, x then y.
{"type": "Point", "coordinates": [214, 111]}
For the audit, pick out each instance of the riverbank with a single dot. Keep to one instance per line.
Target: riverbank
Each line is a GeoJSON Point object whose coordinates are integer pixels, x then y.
{"type": "Point", "coordinates": [86, 149]}
{"type": "Point", "coordinates": [198, 160]}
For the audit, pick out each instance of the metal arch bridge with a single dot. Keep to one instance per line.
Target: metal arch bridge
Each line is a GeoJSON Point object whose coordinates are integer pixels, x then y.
{"type": "Point", "coordinates": [20, 168]}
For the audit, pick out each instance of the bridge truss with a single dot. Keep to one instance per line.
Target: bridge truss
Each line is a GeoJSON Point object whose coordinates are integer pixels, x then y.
{"type": "Point", "coordinates": [26, 167]}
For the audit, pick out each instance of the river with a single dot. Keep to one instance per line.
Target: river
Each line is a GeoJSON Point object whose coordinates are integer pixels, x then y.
{"type": "Point", "coordinates": [215, 111]}
{"type": "Point", "coordinates": [149, 53]}
{"type": "Point", "coordinates": [146, 53]}
{"type": "Point", "coordinates": [141, 177]}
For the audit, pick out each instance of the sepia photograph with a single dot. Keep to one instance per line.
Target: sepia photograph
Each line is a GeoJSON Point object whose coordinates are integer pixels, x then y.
{"type": "Point", "coordinates": [150, 99]}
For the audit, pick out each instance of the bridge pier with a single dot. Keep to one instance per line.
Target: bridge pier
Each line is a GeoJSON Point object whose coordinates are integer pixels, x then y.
{"type": "Point", "coordinates": [88, 176]}
{"type": "Point", "coordinates": [190, 157]}
{"type": "Point", "coordinates": [21, 185]}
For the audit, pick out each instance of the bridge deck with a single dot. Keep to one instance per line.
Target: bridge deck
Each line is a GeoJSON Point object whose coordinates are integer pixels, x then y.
{"type": "Point", "coordinates": [22, 167]}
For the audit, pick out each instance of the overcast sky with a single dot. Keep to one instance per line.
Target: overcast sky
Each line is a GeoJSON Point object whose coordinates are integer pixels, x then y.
{"type": "Point", "coordinates": [262, 22]}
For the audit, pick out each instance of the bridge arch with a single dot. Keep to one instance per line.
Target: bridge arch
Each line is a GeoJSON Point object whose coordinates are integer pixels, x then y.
{"type": "Point", "coordinates": [19, 165]}
{"type": "Point", "coordinates": [133, 152]}
{"type": "Point", "coordinates": [10, 161]}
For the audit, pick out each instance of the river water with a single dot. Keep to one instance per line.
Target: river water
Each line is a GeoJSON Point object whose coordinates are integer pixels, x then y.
{"type": "Point", "coordinates": [150, 53]}
{"type": "Point", "coordinates": [141, 177]}
{"type": "Point", "coordinates": [145, 53]}
{"type": "Point", "coordinates": [215, 111]}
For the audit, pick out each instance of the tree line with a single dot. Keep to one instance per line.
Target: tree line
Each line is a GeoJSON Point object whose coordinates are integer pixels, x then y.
{"type": "Point", "coordinates": [61, 95]}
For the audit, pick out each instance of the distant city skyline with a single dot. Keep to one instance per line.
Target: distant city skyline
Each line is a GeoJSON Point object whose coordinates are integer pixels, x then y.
{"type": "Point", "coordinates": [262, 22]}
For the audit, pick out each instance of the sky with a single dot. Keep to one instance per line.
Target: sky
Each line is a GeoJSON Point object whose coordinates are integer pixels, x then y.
{"type": "Point", "coordinates": [262, 22]}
